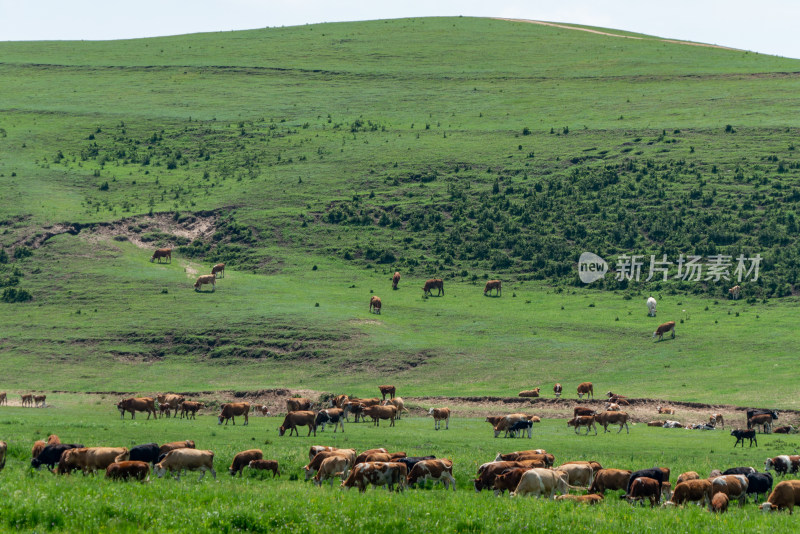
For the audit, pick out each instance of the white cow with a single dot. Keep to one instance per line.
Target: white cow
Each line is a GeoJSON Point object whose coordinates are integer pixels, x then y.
{"type": "Point", "coordinates": [651, 307]}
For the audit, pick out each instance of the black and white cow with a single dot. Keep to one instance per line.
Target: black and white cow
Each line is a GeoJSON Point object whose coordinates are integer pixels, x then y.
{"type": "Point", "coordinates": [330, 416]}
{"type": "Point", "coordinates": [521, 426]}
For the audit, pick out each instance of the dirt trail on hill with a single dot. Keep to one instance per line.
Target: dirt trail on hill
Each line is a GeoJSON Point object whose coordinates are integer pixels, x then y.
{"type": "Point", "coordinates": [640, 410]}
{"type": "Point", "coordinates": [598, 32]}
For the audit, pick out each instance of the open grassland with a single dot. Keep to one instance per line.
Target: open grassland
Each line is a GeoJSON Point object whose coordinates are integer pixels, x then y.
{"type": "Point", "coordinates": [44, 502]}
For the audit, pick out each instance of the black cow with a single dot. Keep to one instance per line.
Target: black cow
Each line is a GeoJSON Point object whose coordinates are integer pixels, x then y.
{"type": "Point", "coordinates": [52, 454]}
{"type": "Point", "coordinates": [147, 453]}
{"type": "Point", "coordinates": [655, 473]}
{"type": "Point", "coordinates": [753, 411]}
{"type": "Point", "coordinates": [411, 461]}
{"type": "Point", "coordinates": [742, 435]}
{"type": "Point", "coordinates": [759, 483]}
{"type": "Point", "coordinates": [739, 471]}
{"type": "Point", "coordinates": [521, 426]}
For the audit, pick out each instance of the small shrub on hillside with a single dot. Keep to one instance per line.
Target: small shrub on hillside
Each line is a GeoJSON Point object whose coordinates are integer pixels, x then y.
{"type": "Point", "coordinates": [12, 295]}
{"type": "Point", "coordinates": [22, 252]}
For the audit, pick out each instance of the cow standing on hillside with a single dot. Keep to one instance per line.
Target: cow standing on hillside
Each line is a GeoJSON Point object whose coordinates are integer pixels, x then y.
{"type": "Point", "coordinates": [430, 285]}
{"type": "Point", "coordinates": [497, 285]}
{"type": "Point", "coordinates": [165, 253]}
{"type": "Point", "coordinates": [395, 280]}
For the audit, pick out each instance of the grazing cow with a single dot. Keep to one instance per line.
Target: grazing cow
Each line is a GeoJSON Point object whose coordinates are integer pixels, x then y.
{"type": "Point", "coordinates": [316, 449]}
{"type": "Point", "coordinates": [663, 329]}
{"type": "Point", "coordinates": [206, 279]}
{"type": "Point", "coordinates": [613, 418]}
{"type": "Point", "coordinates": [137, 404]}
{"type": "Point", "coordinates": [594, 465]}
{"type": "Point", "coordinates": [497, 285]}
{"type": "Point", "coordinates": [557, 390]}
{"type": "Point", "coordinates": [375, 304]}
{"type": "Point", "coordinates": [39, 401]}
{"type": "Point", "coordinates": [299, 418]}
{"type": "Point", "coordinates": [315, 463]}
{"type": "Point", "coordinates": [579, 475]}
{"type": "Point", "coordinates": [665, 411]}
{"type": "Point", "coordinates": [128, 470]}
{"type": "Point", "coordinates": [508, 480]}
{"type": "Point", "coordinates": [3, 449]}
{"type": "Point", "coordinates": [610, 479]}
{"type": "Point", "coordinates": [330, 468]}
{"type": "Point", "coordinates": [735, 292]}
{"type": "Point", "coordinates": [742, 435]}
{"type": "Point", "coordinates": [266, 465]}
{"type": "Point", "coordinates": [332, 416]}
{"type": "Point", "coordinates": [437, 470]}
{"type": "Point", "coordinates": [38, 447]}
{"type": "Point", "coordinates": [218, 268]}
{"type": "Point", "coordinates": [387, 390]}
{"type": "Point", "coordinates": [430, 285]}
{"type": "Point", "coordinates": [785, 495]}
{"type": "Point", "coordinates": [179, 460]}
{"type": "Point", "coordinates": [694, 490]}
{"type": "Point", "coordinates": [715, 418]}
{"type": "Point", "coordinates": [3, 398]}
{"type": "Point", "coordinates": [165, 253]}
{"type": "Point", "coordinates": [411, 461]}
{"type": "Point", "coordinates": [243, 459]}
{"type": "Point", "coordinates": [370, 452]}
{"type": "Point", "coordinates": [395, 280]}
{"type": "Point", "coordinates": [519, 455]}
{"type": "Point", "coordinates": [439, 415]}
{"type": "Point", "coordinates": [149, 453]}
{"type": "Point", "coordinates": [651, 307]}
{"type": "Point", "coordinates": [685, 477]}
{"type": "Point", "coordinates": [298, 404]}
{"type": "Point", "coordinates": [734, 486]}
{"type": "Point", "coordinates": [542, 482]}
{"type": "Point", "coordinates": [231, 409]}
{"type": "Point", "coordinates": [378, 474]}
{"type": "Point", "coordinates": [171, 400]}
{"type": "Point", "coordinates": [529, 393]}
{"type": "Point", "coordinates": [381, 412]}
{"type": "Point", "coordinates": [521, 426]}
{"type": "Point", "coordinates": [719, 503]}
{"type": "Point", "coordinates": [644, 487]}
{"type": "Point", "coordinates": [583, 420]}
{"type": "Point", "coordinates": [784, 430]}
{"type": "Point", "coordinates": [27, 400]}
{"type": "Point", "coordinates": [659, 474]}
{"type": "Point", "coordinates": [51, 454]}
{"type": "Point", "coordinates": [173, 445]}
{"type": "Point", "coordinates": [764, 420]}
{"type": "Point", "coordinates": [759, 483]}
{"type": "Point", "coordinates": [583, 499]}
{"type": "Point", "coordinates": [585, 388]}
{"type": "Point", "coordinates": [164, 410]}
{"type": "Point", "coordinates": [89, 460]}
{"type": "Point", "coordinates": [398, 403]}
{"type": "Point", "coordinates": [191, 407]}
{"type": "Point", "coordinates": [489, 471]}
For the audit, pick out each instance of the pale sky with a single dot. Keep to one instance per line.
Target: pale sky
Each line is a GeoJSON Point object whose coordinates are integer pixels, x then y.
{"type": "Point", "coordinates": [765, 26]}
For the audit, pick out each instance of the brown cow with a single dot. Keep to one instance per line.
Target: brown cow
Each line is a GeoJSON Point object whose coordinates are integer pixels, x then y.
{"type": "Point", "coordinates": [218, 268]}
{"type": "Point", "coordinates": [439, 415]}
{"type": "Point", "coordinates": [529, 393]}
{"type": "Point", "coordinates": [395, 280]}
{"type": "Point", "coordinates": [38, 447]}
{"type": "Point", "coordinates": [27, 400]}
{"type": "Point", "coordinates": [583, 420]}
{"type": "Point", "coordinates": [364, 455]}
{"type": "Point", "coordinates": [719, 503]}
{"type": "Point", "coordinates": [378, 474]}
{"type": "Point", "coordinates": [339, 401]}
{"type": "Point", "coordinates": [91, 459]}
{"type": "Point", "coordinates": [764, 420]}
{"type": "Point", "coordinates": [584, 499]}
{"type": "Point", "coordinates": [580, 410]}
{"type": "Point", "coordinates": [663, 329]}
{"type": "Point", "coordinates": [785, 495]}
{"type": "Point", "coordinates": [298, 404]}
{"type": "Point", "coordinates": [356, 408]}
{"type": "Point", "coordinates": [190, 407]}
{"type": "Point", "coordinates": [508, 480]}
{"type": "Point", "coordinates": [610, 479]}
{"type": "Point", "coordinates": [438, 470]}
{"type": "Point", "coordinates": [488, 472]}
{"type": "Point", "coordinates": [715, 418]}
{"type": "Point", "coordinates": [330, 468]}
{"type": "Point", "coordinates": [299, 418]}
{"type": "Point", "coordinates": [734, 486]}
{"type": "Point", "coordinates": [172, 400]}
{"type": "Point", "coordinates": [430, 285]}
{"type": "Point", "coordinates": [137, 404]}
{"type": "Point", "coordinates": [243, 459]}
{"type": "Point", "coordinates": [585, 388]}
{"type": "Point", "coordinates": [665, 411]}
{"type": "Point", "coordinates": [173, 445]}
{"type": "Point", "coordinates": [656, 423]}
{"type": "Point", "coordinates": [165, 253]}
{"type": "Point", "coordinates": [206, 279]}
{"type": "Point", "coordinates": [645, 487]}
{"type": "Point", "coordinates": [387, 390]}
{"type": "Point", "coordinates": [266, 465]}
{"type": "Point", "coordinates": [164, 410]}
{"type": "Point", "coordinates": [594, 465]}
{"type": "Point", "coordinates": [381, 412]}
{"type": "Point", "coordinates": [3, 398]}
{"type": "Point", "coordinates": [39, 401]}
{"type": "Point", "coordinates": [52, 439]}
{"type": "Point", "coordinates": [3, 449]}
{"type": "Point", "coordinates": [129, 469]}
{"type": "Point", "coordinates": [179, 460]}
{"type": "Point", "coordinates": [735, 292]}
{"type": "Point", "coordinates": [314, 465]}
{"type": "Point", "coordinates": [687, 476]}
{"type": "Point", "coordinates": [231, 409]}
{"type": "Point", "coordinates": [557, 390]}
{"type": "Point", "coordinates": [375, 304]}
{"type": "Point", "coordinates": [613, 418]}
{"type": "Point", "coordinates": [695, 490]}
{"type": "Point", "coordinates": [497, 285]}
{"type": "Point", "coordinates": [398, 403]}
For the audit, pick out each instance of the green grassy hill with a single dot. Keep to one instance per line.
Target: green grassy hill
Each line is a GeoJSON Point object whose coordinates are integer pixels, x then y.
{"type": "Point", "coordinates": [320, 159]}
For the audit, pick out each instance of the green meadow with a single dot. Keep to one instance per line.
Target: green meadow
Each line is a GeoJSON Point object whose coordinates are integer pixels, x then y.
{"type": "Point", "coordinates": [315, 161]}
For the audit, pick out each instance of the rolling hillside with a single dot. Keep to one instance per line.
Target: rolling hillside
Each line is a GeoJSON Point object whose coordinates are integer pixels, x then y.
{"type": "Point", "coordinates": [317, 160]}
